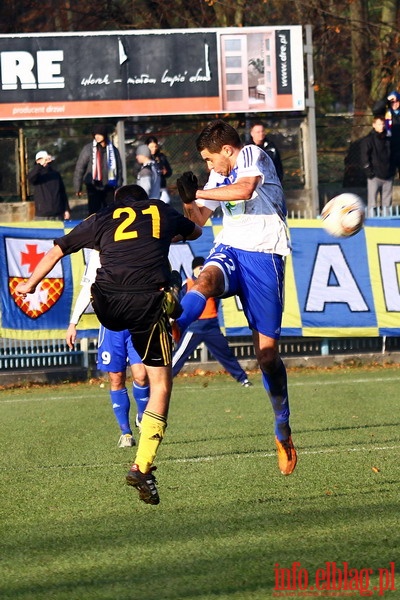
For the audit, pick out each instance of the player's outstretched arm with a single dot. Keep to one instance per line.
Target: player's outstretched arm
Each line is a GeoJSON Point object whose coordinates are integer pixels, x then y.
{"type": "Point", "coordinates": [84, 296]}
{"type": "Point", "coordinates": [242, 189]}
{"type": "Point", "coordinates": [70, 335]}
{"type": "Point", "coordinates": [81, 304]}
{"type": "Point", "coordinates": [197, 214]}
{"type": "Point", "coordinates": [43, 267]}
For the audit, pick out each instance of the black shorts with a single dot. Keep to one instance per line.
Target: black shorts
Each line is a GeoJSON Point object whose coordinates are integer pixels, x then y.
{"type": "Point", "coordinates": [143, 313]}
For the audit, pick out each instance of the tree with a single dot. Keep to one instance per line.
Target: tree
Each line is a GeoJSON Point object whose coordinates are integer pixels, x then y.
{"type": "Point", "coordinates": [356, 42]}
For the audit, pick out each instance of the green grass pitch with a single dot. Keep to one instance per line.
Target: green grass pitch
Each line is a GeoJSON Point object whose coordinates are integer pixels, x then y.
{"type": "Point", "coordinates": [228, 521]}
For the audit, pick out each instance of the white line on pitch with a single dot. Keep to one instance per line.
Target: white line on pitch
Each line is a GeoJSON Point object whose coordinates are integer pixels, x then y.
{"type": "Point", "coordinates": [209, 458]}
{"type": "Point", "coordinates": [270, 454]}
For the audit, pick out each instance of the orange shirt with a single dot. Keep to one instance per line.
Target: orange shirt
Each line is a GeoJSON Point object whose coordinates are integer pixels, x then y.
{"type": "Point", "coordinates": [210, 311]}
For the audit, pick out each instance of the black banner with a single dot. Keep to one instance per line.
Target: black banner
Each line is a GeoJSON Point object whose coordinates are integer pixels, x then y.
{"type": "Point", "coordinates": [62, 68]}
{"type": "Point", "coordinates": [283, 62]}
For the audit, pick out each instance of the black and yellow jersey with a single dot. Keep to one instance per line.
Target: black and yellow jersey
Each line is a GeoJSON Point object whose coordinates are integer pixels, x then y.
{"type": "Point", "coordinates": [133, 238]}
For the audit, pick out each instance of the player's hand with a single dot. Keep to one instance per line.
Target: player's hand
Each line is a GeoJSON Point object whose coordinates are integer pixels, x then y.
{"type": "Point", "coordinates": [70, 336]}
{"type": "Point", "coordinates": [24, 288]}
{"type": "Point", "coordinates": [187, 187]}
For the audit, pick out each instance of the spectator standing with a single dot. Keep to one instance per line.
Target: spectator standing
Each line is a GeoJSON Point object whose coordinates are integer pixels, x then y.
{"type": "Point", "coordinates": [260, 139]}
{"type": "Point", "coordinates": [389, 109]}
{"type": "Point", "coordinates": [206, 329]}
{"type": "Point", "coordinates": [99, 168]}
{"type": "Point", "coordinates": [376, 161]}
{"type": "Point", "coordinates": [50, 197]}
{"type": "Point", "coordinates": [163, 165]}
{"type": "Point", "coordinates": [148, 177]}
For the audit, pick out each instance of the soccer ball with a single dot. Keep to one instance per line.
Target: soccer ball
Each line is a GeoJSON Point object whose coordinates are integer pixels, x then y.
{"type": "Point", "coordinates": [344, 215]}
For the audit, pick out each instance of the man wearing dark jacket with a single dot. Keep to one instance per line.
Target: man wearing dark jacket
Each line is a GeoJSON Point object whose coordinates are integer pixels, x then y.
{"type": "Point", "coordinates": [375, 156]}
{"type": "Point", "coordinates": [99, 167]}
{"type": "Point", "coordinates": [260, 139]}
{"type": "Point", "coordinates": [389, 109]}
{"type": "Point", "coordinates": [50, 197]}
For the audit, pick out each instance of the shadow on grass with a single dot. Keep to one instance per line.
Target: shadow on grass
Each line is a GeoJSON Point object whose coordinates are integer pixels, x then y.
{"type": "Point", "coordinates": [226, 546]}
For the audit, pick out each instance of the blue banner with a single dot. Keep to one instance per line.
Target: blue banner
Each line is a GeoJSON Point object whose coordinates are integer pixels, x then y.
{"type": "Point", "coordinates": [333, 287]}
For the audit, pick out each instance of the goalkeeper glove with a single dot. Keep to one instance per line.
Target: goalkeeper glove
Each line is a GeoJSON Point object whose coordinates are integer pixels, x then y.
{"type": "Point", "coordinates": [187, 187]}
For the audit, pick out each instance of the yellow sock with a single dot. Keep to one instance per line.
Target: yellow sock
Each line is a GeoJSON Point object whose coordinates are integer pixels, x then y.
{"type": "Point", "coordinates": [152, 429]}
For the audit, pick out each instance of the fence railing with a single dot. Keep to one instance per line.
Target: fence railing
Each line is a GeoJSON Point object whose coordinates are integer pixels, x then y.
{"type": "Point", "coordinates": [22, 355]}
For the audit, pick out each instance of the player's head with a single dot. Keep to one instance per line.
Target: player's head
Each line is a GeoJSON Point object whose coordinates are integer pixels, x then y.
{"type": "Point", "coordinates": [217, 134]}
{"type": "Point", "coordinates": [100, 133]}
{"type": "Point", "coordinates": [219, 144]}
{"type": "Point", "coordinates": [152, 143]}
{"type": "Point", "coordinates": [394, 100]}
{"type": "Point", "coordinates": [143, 154]}
{"type": "Point", "coordinates": [197, 265]}
{"type": "Point", "coordinates": [131, 192]}
{"type": "Point", "coordinates": [257, 132]}
{"type": "Point", "coordinates": [378, 123]}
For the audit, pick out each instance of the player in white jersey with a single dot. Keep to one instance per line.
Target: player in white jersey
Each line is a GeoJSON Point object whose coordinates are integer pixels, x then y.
{"type": "Point", "coordinates": [248, 257]}
{"type": "Point", "coordinates": [114, 349]}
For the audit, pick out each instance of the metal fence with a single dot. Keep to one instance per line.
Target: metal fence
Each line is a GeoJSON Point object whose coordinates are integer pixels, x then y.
{"type": "Point", "coordinates": [41, 355]}
{"type": "Point", "coordinates": [338, 157]}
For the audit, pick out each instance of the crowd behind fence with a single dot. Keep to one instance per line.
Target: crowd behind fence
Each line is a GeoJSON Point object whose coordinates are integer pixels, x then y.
{"type": "Point", "coordinates": [338, 154]}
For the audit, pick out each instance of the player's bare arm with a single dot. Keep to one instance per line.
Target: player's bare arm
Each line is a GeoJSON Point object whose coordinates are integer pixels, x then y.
{"type": "Point", "coordinates": [44, 267]}
{"type": "Point", "coordinates": [240, 190]}
{"type": "Point", "coordinates": [198, 214]}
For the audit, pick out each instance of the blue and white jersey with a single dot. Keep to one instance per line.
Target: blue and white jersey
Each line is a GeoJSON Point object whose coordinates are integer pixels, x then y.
{"type": "Point", "coordinates": [258, 224]}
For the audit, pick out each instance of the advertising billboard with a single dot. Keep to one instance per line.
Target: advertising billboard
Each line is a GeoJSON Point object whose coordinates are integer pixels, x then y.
{"type": "Point", "coordinates": [117, 74]}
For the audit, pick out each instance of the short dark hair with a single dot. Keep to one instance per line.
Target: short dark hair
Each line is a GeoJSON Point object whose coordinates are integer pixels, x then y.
{"type": "Point", "coordinates": [257, 124]}
{"type": "Point", "coordinates": [198, 261]}
{"type": "Point", "coordinates": [133, 191]}
{"type": "Point", "coordinates": [151, 138]}
{"type": "Point", "coordinates": [101, 129]}
{"type": "Point", "coordinates": [217, 134]}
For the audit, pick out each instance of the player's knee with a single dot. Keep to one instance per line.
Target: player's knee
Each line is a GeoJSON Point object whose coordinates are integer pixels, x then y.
{"type": "Point", "coordinates": [268, 359]}
{"type": "Point", "coordinates": [210, 282]}
{"type": "Point", "coordinates": [139, 374]}
{"type": "Point", "coordinates": [141, 381]}
{"type": "Point", "coordinates": [117, 380]}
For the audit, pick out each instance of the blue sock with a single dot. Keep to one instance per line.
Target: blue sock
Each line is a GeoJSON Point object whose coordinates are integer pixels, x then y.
{"type": "Point", "coordinates": [276, 387]}
{"type": "Point", "coordinates": [141, 395]}
{"type": "Point", "coordinates": [193, 304]}
{"type": "Point", "coordinates": [121, 405]}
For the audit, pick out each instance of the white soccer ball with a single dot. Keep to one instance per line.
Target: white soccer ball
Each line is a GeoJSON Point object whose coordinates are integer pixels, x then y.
{"type": "Point", "coordinates": [344, 215]}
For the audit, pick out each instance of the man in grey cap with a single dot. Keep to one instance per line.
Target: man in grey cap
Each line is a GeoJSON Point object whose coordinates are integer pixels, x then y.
{"type": "Point", "coordinates": [148, 177]}
{"type": "Point", "coordinates": [99, 167]}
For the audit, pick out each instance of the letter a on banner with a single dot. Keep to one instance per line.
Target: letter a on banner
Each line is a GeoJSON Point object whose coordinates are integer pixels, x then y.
{"type": "Point", "coordinates": [332, 282]}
